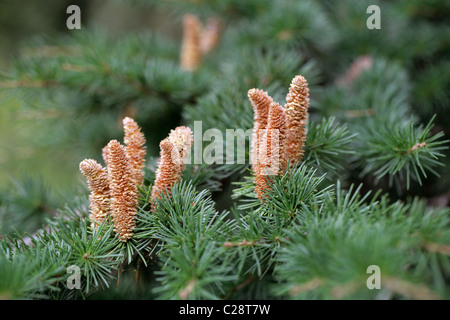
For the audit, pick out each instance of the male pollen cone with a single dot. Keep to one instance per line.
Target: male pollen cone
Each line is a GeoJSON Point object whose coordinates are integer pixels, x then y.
{"type": "Point", "coordinates": [297, 104]}
{"type": "Point", "coordinates": [98, 184]}
{"type": "Point", "coordinates": [124, 191]}
{"type": "Point", "coordinates": [135, 148]}
{"type": "Point", "coordinates": [260, 101]}
{"type": "Point", "coordinates": [191, 54]}
{"type": "Point", "coordinates": [167, 172]}
{"type": "Point", "coordinates": [182, 138]}
{"type": "Point", "coordinates": [276, 134]}
{"type": "Point", "coordinates": [271, 156]}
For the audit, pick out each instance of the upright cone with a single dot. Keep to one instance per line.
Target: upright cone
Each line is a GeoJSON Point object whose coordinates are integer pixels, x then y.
{"type": "Point", "coordinates": [260, 101]}
{"type": "Point", "coordinates": [191, 54]}
{"type": "Point", "coordinates": [297, 104]}
{"type": "Point", "coordinates": [100, 195]}
{"type": "Point", "coordinates": [135, 148]}
{"type": "Point", "coordinates": [271, 155]}
{"type": "Point", "coordinates": [124, 193]}
{"type": "Point", "coordinates": [174, 151]}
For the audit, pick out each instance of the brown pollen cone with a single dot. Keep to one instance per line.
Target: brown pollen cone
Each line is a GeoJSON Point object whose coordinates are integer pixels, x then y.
{"type": "Point", "coordinates": [182, 138]}
{"type": "Point", "coordinates": [191, 54]}
{"type": "Point", "coordinates": [124, 191]}
{"type": "Point", "coordinates": [174, 153]}
{"type": "Point", "coordinates": [105, 154]}
{"type": "Point", "coordinates": [276, 135]}
{"type": "Point", "coordinates": [168, 171]}
{"type": "Point", "coordinates": [297, 104]}
{"type": "Point", "coordinates": [135, 148]}
{"type": "Point", "coordinates": [260, 101]}
{"type": "Point", "coordinates": [98, 184]}
{"type": "Point", "coordinates": [210, 36]}
{"type": "Point", "coordinates": [271, 156]}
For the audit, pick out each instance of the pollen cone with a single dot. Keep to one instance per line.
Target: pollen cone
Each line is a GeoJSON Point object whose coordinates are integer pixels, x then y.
{"type": "Point", "coordinates": [182, 138]}
{"type": "Point", "coordinates": [98, 184]}
{"type": "Point", "coordinates": [174, 152]}
{"type": "Point", "coordinates": [210, 36]}
{"type": "Point", "coordinates": [135, 148]}
{"type": "Point", "coordinates": [297, 104]}
{"type": "Point", "coordinates": [271, 156]}
{"type": "Point", "coordinates": [260, 101]}
{"type": "Point", "coordinates": [124, 191]}
{"type": "Point", "coordinates": [191, 54]}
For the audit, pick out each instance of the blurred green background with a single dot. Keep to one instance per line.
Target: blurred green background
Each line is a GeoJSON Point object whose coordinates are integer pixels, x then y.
{"type": "Point", "coordinates": [31, 148]}
{"type": "Point", "coordinates": [22, 152]}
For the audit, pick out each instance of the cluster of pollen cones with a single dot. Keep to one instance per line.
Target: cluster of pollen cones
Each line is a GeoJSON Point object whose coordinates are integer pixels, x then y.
{"type": "Point", "coordinates": [114, 188]}
{"type": "Point", "coordinates": [279, 133]}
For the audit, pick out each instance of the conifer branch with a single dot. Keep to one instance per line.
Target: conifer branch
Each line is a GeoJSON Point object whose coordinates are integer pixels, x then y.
{"type": "Point", "coordinates": [114, 189]}
{"type": "Point", "coordinates": [297, 289]}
